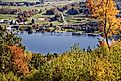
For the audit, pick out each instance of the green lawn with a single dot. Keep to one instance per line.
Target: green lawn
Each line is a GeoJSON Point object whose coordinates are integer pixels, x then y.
{"type": "Point", "coordinates": [6, 16]}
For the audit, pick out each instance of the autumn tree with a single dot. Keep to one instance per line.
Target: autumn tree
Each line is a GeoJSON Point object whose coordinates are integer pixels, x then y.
{"type": "Point", "coordinates": [105, 11]}
{"type": "Point", "coordinates": [8, 39]}
{"type": "Point", "coordinates": [19, 60]}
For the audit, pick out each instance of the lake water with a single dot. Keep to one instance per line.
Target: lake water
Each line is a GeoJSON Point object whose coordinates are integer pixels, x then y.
{"type": "Point", "coordinates": [56, 42]}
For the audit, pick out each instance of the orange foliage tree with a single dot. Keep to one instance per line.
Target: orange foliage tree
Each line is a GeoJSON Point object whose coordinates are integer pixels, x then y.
{"type": "Point", "coordinates": [19, 60]}
{"type": "Point", "coordinates": [105, 11]}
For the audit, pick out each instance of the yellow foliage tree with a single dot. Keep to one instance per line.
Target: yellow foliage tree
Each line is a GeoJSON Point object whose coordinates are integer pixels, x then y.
{"type": "Point", "coordinates": [105, 11]}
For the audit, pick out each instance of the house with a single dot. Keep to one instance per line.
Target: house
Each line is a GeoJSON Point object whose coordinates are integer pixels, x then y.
{"type": "Point", "coordinates": [42, 19]}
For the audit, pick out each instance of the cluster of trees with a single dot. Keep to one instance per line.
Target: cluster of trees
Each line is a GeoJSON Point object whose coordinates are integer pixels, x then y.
{"type": "Point", "coordinates": [77, 65]}
{"type": "Point", "coordinates": [71, 9]}
{"type": "Point", "coordinates": [98, 65]}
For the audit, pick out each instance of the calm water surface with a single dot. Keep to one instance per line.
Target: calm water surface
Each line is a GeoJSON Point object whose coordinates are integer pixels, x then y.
{"type": "Point", "coordinates": [56, 42]}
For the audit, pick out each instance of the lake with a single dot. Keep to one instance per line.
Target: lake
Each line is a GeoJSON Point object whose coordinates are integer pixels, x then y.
{"type": "Point", "coordinates": [56, 42]}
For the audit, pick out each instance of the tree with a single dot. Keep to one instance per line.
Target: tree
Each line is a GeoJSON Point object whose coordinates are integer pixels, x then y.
{"type": "Point", "coordinates": [105, 11]}
{"type": "Point", "coordinates": [7, 39]}
{"type": "Point", "coordinates": [18, 59]}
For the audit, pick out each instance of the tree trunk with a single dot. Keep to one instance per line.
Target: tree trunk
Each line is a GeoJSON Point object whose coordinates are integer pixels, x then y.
{"type": "Point", "coordinates": [107, 42]}
{"type": "Point", "coordinates": [105, 33]}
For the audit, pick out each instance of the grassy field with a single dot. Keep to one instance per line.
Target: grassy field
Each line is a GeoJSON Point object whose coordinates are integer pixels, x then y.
{"type": "Point", "coordinates": [23, 7]}
{"type": "Point", "coordinates": [6, 16]}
